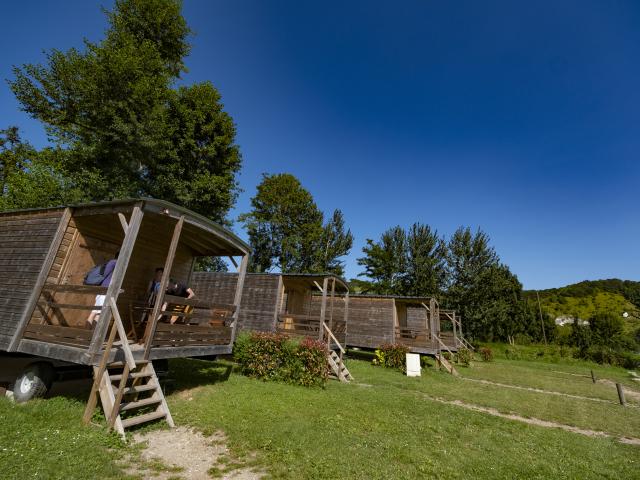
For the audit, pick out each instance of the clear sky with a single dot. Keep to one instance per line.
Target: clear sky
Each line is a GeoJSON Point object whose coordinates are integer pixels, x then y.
{"type": "Point", "coordinates": [519, 117]}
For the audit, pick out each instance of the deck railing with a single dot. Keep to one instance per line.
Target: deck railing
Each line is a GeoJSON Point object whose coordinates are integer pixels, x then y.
{"type": "Point", "coordinates": [183, 322]}
{"type": "Point", "coordinates": [298, 324]}
{"type": "Point", "coordinates": [413, 337]}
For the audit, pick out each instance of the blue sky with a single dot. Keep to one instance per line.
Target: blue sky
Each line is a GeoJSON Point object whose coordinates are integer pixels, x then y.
{"type": "Point", "coordinates": [522, 118]}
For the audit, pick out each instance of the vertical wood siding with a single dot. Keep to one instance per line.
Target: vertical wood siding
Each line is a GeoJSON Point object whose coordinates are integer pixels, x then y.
{"type": "Point", "coordinates": [25, 239]}
{"type": "Point", "coordinates": [259, 296]}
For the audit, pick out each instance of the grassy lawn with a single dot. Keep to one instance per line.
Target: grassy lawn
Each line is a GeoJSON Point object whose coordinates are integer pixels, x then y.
{"type": "Point", "coordinates": [387, 429]}
{"type": "Point", "coordinates": [46, 439]}
{"type": "Point", "coordinates": [381, 426]}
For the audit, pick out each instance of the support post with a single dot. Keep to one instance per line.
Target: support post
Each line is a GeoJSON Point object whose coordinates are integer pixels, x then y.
{"type": "Point", "coordinates": [346, 318]}
{"type": "Point", "coordinates": [620, 393]}
{"type": "Point", "coordinates": [116, 280]}
{"type": "Point", "coordinates": [333, 293]}
{"type": "Point", "coordinates": [279, 302]}
{"type": "Point", "coordinates": [157, 306]}
{"type": "Point", "coordinates": [453, 322]}
{"type": "Point", "coordinates": [238, 296]}
{"type": "Point", "coordinates": [434, 317]}
{"type": "Point", "coordinates": [323, 307]}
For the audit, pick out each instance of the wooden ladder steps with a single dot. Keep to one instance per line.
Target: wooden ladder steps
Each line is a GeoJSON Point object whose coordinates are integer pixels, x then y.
{"type": "Point", "coordinates": [140, 403]}
{"type": "Point", "coordinates": [141, 388]}
{"type": "Point", "coordinates": [147, 417]}
{"type": "Point", "coordinates": [131, 375]}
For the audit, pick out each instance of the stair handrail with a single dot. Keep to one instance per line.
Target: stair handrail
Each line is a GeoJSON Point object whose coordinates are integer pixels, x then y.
{"type": "Point", "coordinates": [332, 336]}
{"type": "Point", "coordinates": [453, 369]}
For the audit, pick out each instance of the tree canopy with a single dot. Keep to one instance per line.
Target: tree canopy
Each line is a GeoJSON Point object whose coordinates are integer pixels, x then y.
{"type": "Point", "coordinates": [115, 113]}
{"type": "Point", "coordinates": [286, 229]}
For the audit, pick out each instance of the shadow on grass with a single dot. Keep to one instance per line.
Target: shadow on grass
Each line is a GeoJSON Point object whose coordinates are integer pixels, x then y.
{"type": "Point", "coordinates": [186, 373]}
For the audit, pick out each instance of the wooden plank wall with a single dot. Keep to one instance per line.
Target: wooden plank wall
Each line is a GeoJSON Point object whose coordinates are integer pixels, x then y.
{"type": "Point", "coordinates": [259, 296]}
{"type": "Point", "coordinates": [25, 239]}
{"type": "Point", "coordinates": [370, 321]}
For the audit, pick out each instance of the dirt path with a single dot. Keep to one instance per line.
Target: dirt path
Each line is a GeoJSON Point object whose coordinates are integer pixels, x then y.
{"type": "Point", "coordinates": [630, 393]}
{"type": "Point", "coordinates": [534, 421]}
{"type": "Point", "coordinates": [186, 453]}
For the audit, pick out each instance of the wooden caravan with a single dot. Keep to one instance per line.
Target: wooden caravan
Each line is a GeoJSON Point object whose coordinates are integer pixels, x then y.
{"type": "Point", "coordinates": [44, 305]}
{"type": "Point", "coordinates": [292, 304]}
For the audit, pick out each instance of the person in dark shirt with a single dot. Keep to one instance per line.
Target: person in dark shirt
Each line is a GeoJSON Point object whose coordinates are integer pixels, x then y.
{"type": "Point", "coordinates": [179, 289]}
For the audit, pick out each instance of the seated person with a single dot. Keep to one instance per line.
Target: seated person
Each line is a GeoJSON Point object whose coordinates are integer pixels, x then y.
{"type": "Point", "coordinates": [154, 286]}
{"type": "Point", "coordinates": [107, 273]}
{"type": "Point", "coordinates": [179, 289]}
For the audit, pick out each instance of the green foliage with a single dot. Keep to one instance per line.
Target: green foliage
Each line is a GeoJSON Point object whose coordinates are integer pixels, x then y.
{"type": "Point", "coordinates": [405, 262]}
{"type": "Point", "coordinates": [112, 108]}
{"type": "Point", "coordinates": [30, 179]}
{"type": "Point", "coordinates": [464, 356]}
{"type": "Point", "coordinates": [277, 357]}
{"type": "Point", "coordinates": [286, 230]}
{"type": "Point", "coordinates": [392, 356]}
{"type": "Point", "coordinates": [486, 354]}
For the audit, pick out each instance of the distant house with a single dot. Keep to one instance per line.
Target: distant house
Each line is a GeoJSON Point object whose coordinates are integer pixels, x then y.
{"type": "Point", "coordinates": [569, 320]}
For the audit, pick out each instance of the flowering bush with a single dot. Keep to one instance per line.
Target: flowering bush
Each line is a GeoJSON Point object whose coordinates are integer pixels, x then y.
{"type": "Point", "coordinates": [270, 356]}
{"type": "Point", "coordinates": [487, 354]}
{"type": "Point", "coordinates": [392, 356]}
{"type": "Point", "coordinates": [464, 356]}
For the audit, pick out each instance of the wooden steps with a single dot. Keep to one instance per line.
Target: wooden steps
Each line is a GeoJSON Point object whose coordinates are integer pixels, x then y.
{"type": "Point", "coordinates": [339, 370]}
{"type": "Point", "coordinates": [120, 394]}
{"type": "Point", "coordinates": [443, 362]}
{"type": "Point", "coordinates": [120, 386]}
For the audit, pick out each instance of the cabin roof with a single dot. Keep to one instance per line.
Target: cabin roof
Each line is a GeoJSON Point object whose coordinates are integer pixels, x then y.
{"type": "Point", "coordinates": [234, 245]}
{"type": "Point", "coordinates": [394, 297]}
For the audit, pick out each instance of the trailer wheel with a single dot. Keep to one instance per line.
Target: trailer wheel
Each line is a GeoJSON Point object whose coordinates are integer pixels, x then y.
{"type": "Point", "coordinates": [34, 382]}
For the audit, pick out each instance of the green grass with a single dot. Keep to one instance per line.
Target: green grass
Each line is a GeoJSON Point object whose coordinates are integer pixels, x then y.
{"type": "Point", "coordinates": [46, 439]}
{"type": "Point", "coordinates": [388, 429]}
{"type": "Point", "coordinates": [382, 426]}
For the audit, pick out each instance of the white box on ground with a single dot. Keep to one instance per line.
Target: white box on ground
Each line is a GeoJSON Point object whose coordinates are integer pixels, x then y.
{"type": "Point", "coordinates": [413, 365]}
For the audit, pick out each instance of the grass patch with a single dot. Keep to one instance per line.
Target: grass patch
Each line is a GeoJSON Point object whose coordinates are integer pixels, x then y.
{"type": "Point", "coordinates": [389, 430]}
{"type": "Point", "coordinates": [46, 439]}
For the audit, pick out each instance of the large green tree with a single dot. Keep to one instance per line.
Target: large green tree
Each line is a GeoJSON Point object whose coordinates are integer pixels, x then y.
{"type": "Point", "coordinates": [287, 233]}
{"type": "Point", "coordinates": [114, 108]}
{"type": "Point", "coordinates": [29, 178]}
{"type": "Point", "coordinates": [410, 262]}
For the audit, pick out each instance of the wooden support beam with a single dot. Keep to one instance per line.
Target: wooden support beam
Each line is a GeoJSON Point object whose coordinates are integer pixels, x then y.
{"type": "Point", "coordinates": [318, 285]}
{"type": "Point", "coordinates": [278, 302]}
{"type": "Point", "coordinates": [346, 317]}
{"type": "Point", "coordinates": [233, 260]}
{"type": "Point", "coordinates": [323, 307]}
{"type": "Point", "coordinates": [116, 280]}
{"type": "Point", "coordinates": [40, 281]}
{"type": "Point", "coordinates": [333, 293]}
{"type": "Point", "coordinates": [238, 296]}
{"type": "Point", "coordinates": [433, 314]}
{"type": "Point", "coordinates": [168, 263]}
{"type": "Point", "coordinates": [123, 222]}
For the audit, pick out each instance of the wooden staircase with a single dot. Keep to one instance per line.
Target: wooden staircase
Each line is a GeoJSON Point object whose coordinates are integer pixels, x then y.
{"type": "Point", "coordinates": [441, 360]}
{"type": "Point", "coordinates": [129, 391]}
{"type": "Point", "coordinates": [338, 369]}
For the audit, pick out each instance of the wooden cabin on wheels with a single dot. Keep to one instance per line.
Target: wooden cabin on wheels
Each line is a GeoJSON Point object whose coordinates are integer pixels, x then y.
{"type": "Point", "coordinates": [44, 303]}
{"type": "Point", "coordinates": [292, 304]}
{"type": "Point", "coordinates": [416, 322]}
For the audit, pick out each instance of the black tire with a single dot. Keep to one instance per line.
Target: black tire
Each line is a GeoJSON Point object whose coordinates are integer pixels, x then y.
{"type": "Point", "coordinates": [34, 382]}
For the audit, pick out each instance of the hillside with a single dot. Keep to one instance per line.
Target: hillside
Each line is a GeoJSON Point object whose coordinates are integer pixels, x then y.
{"type": "Point", "coordinates": [584, 299]}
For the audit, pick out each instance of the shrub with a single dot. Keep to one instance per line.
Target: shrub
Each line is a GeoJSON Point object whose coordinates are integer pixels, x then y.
{"type": "Point", "coordinates": [271, 356]}
{"type": "Point", "coordinates": [486, 353]}
{"type": "Point", "coordinates": [464, 356]}
{"type": "Point", "coordinates": [392, 356]}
